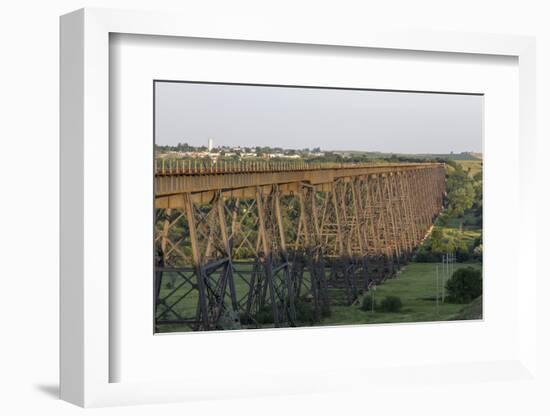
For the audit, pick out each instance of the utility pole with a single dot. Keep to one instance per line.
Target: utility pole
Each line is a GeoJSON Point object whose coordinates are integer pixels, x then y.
{"type": "Point", "coordinates": [437, 289]}
{"type": "Point", "coordinates": [453, 263]}
{"type": "Point", "coordinates": [446, 263]}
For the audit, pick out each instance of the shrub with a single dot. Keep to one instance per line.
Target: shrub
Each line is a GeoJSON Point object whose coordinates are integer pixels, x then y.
{"type": "Point", "coordinates": [391, 304]}
{"type": "Point", "coordinates": [443, 219]}
{"type": "Point", "coordinates": [305, 312]}
{"type": "Point", "coordinates": [229, 320]}
{"type": "Point", "coordinates": [325, 310]}
{"type": "Point", "coordinates": [368, 304]}
{"type": "Point", "coordinates": [424, 255]}
{"type": "Point", "coordinates": [265, 315]}
{"type": "Point", "coordinates": [464, 285]}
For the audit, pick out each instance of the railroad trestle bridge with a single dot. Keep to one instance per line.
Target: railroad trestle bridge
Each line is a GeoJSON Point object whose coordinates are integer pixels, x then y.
{"type": "Point", "coordinates": [248, 245]}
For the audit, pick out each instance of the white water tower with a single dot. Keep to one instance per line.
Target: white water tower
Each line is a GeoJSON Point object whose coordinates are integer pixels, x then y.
{"type": "Point", "coordinates": [210, 144]}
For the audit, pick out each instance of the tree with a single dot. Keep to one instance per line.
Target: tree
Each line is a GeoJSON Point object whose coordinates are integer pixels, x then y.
{"type": "Point", "coordinates": [464, 285]}
{"type": "Point", "coordinates": [460, 190]}
{"type": "Point", "coordinates": [478, 190]}
{"type": "Point", "coordinates": [461, 199]}
{"type": "Point", "coordinates": [448, 242]}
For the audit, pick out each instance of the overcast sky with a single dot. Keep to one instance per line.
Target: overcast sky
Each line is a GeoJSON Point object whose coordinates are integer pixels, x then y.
{"type": "Point", "coordinates": [296, 118]}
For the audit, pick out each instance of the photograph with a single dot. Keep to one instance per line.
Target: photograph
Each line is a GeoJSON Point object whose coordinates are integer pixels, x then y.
{"type": "Point", "coordinates": [282, 206]}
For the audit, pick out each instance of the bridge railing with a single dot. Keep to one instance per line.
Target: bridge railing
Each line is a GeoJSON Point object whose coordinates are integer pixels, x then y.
{"type": "Point", "coordinates": [199, 166]}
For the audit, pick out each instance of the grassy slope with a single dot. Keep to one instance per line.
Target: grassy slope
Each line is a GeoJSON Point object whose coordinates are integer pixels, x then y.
{"type": "Point", "coordinates": [472, 311]}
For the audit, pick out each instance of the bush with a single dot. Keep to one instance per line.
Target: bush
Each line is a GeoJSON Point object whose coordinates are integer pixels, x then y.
{"type": "Point", "coordinates": [367, 304]}
{"type": "Point", "coordinates": [391, 304]}
{"type": "Point", "coordinates": [305, 312]}
{"type": "Point", "coordinates": [265, 315]}
{"type": "Point", "coordinates": [229, 320]}
{"type": "Point", "coordinates": [464, 285]}
{"type": "Point", "coordinates": [443, 219]}
{"type": "Point", "coordinates": [423, 255]}
{"type": "Point", "coordinates": [325, 310]}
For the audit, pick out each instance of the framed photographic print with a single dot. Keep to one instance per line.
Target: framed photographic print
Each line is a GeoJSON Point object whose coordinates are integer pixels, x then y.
{"type": "Point", "coordinates": [305, 203]}
{"type": "Point", "coordinates": [244, 213]}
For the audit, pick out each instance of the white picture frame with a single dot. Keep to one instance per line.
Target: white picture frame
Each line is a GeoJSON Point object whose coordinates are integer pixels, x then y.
{"type": "Point", "coordinates": [85, 182]}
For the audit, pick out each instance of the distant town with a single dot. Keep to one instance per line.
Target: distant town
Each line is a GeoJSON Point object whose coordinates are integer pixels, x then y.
{"type": "Point", "coordinates": [211, 152]}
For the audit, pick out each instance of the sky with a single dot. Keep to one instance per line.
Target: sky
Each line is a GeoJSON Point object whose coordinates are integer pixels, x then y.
{"type": "Point", "coordinates": [332, 119]}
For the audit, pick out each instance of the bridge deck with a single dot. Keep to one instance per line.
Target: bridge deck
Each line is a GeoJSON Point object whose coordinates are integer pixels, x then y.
{"type": "Point", "coordinates": [236, 180]}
